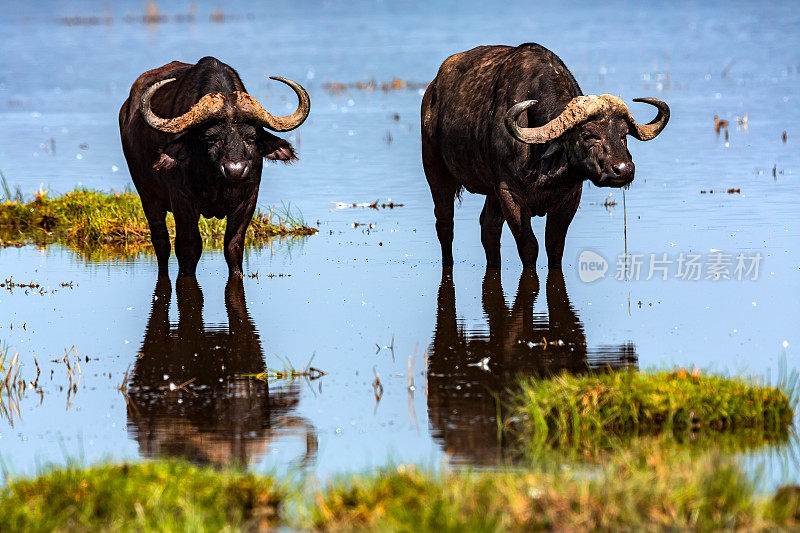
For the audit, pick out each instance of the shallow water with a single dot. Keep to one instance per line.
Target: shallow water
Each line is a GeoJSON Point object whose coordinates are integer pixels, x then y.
{"type": "Point", "coordinates": [372, 299]}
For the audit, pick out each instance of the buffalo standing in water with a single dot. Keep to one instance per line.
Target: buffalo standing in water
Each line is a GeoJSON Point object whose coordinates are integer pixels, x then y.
{"type": "Point", "coordinates": [513, 124]}
{"type": "Point", "coordinates": [206, 159]}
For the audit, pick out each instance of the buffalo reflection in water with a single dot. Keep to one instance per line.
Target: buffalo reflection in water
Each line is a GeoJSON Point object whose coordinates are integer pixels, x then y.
{"type": "Point", "coordinates": [222, 416]}
{"type": "Point", "coordinates": [463, 384]}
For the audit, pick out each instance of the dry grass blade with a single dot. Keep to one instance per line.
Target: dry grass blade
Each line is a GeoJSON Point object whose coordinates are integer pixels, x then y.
{"type": "Point", "coordinates": [11, 388]}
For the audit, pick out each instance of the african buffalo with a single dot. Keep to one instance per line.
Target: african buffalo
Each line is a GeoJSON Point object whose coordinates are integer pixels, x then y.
{"type": "Point", "coordinates": [512, 124]}
{"type": "Point", "coordinates": [205, 159]}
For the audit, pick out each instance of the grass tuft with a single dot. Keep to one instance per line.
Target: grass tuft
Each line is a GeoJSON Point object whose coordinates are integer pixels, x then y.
{"type": "Point", "coordinates": [579, 409]}
{"type": "Point", "coordinates": [151, 496]}
{"type": "Point", "coordinates": [88, 218]}
{"type": "Point", "coordinates": [652, 487]}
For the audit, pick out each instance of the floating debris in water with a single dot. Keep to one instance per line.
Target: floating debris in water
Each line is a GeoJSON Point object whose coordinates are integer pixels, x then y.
{"type": "Point", "coordinates": [741, 122]}
{"type": "Point", "coordinates": [290, 372]}
{"type": "Point", "coordinates": [483, 364]}
{"type": "Point", "coordinates": [377, 387]}
{"type": "Point", "coordinates": [728, 191]}
{"type": "Point", "coordinates": [49, 146]}
{"type": "Point", "coordinates": [395, 84]}
{"type": "Point", "coordinates": [254, 275]}
{"type": "Point", "coordinates": [374, 205]}
{"type": "Point", "coordinates": [32, 287]}
{"type": "Point", "coordinates": [719, 124]}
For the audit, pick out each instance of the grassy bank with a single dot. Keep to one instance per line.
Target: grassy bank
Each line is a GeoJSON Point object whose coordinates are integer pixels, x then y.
{"type": "Point", "coordinates": [91, 218]}
{"type": "Point", "coordinates": [650, 487]}
{"type": "Point", "coordinates": [581, 410]}
{"type": "Point", "coordinates": [649, 482]}
{"type": "Point", "coordinates": [159, 496]}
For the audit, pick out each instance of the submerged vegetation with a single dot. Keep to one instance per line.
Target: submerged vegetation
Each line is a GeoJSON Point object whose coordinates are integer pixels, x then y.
{"type": "Point", "coordinates": [88, 218]}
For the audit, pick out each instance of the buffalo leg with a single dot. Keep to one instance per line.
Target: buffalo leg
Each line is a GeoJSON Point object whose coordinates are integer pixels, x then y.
{"type": "Point", "coordinates": [443, 190]}
{"type": "Point", "coordinates": [157, 220]}
{"type": "Point", "coordinates": [494, 307]}
{"type": "Point", "coordinates": [445, 336]}
{"type": "Point", "coordinates": [234, 237]}
{"type": "Point", "coordinates": [519, 222]}
{"type": "Point", "coordinates": [188, 242]}
{"type": "Point", "coordinates": [556, 227]}
{"type": "Point", "coordinates": [491, 228]}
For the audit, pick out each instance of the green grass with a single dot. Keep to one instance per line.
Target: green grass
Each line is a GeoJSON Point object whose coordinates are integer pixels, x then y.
{"type": "Point", "coordinates": [152, 496]}
{"type": "Point", "coordinates": [652, 486]}
{"type": "Point", "coordinates": [649, 480]}
{"type": "Point", "coordinates": [570, 410]}
{"type": "Point", "coordinates": [91, 218]}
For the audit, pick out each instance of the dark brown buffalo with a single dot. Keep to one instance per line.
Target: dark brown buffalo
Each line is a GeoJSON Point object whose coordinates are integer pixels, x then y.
{"type": "Point", "coordinates": [512, 124]}
{"type": "Point", "coordinates": [205, 159]}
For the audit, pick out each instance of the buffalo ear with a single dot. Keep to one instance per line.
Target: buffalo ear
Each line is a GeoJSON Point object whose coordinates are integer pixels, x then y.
{"type": "Point", "coordinates": [554, 160]}
{"type": "Point", "coordinates": [164, 162]}
{"type": "Point", "coordinates": [551, 149]}
{"type": "Point", "coordinates": [275, 148]}
{"type": "Point", "coordinates": [172, 154]}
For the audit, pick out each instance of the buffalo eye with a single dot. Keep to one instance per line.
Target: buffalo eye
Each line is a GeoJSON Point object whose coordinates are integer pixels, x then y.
{"type": "Point", "coordinates": [591, 138]}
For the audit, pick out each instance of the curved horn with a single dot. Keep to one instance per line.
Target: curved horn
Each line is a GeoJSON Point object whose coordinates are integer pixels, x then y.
{"type": "Point", "coordinates": [649, 131]}
{"type": "Point", "coordinates": [578, 110]}
{"type": "Point", "coordinates": [250, 108]}
{"type": "Point", "coordinates": [209, 106]}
